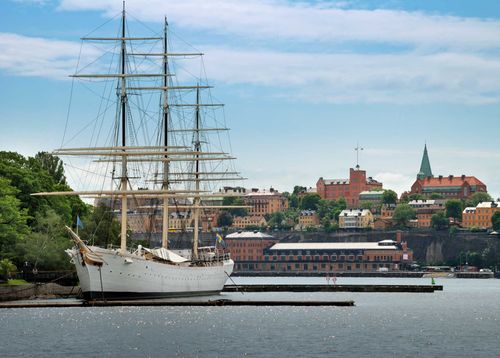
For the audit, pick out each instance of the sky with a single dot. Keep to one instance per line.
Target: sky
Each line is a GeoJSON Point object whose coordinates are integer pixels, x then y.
{"type": "Point", "coordinates": [303, 82]}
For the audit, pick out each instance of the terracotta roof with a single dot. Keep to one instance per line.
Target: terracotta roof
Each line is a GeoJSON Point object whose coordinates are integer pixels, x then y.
{"type": "Point", "coordinates": [453, 181]}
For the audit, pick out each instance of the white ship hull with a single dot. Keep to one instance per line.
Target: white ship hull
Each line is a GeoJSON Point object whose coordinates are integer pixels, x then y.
{"type": "Point", "coordinates": [132, 276]}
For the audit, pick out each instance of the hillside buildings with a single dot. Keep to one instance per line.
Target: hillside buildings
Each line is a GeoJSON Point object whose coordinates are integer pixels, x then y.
{"type": "Point", "coordinates": [425, 209]}
{"type": "Point", "coordinates": [480, 216]}
{"type": "Point", "coordinates": [333, 189]}
{"type": "Point", "coordinates": [450, 187]}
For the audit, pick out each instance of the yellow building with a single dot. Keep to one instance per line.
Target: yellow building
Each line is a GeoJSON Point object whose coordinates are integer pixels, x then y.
{"type": "Point", "coordinates": [356, 219]}
{"type": "Point", "coordinates": [265, 201]}
{"type": "Point", "coordinates": [308, 218]}
{"type": "Point", "coordinates": [481, 215]}
{"type": "Point", "coordinates": [242, 222]}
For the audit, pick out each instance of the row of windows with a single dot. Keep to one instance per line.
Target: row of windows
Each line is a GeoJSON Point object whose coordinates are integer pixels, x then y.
{"type": "Point", "coordinates": [308, 267]}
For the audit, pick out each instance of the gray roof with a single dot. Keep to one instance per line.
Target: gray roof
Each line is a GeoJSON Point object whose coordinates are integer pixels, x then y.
{"type": "Point", "coordinates": [248, 235]}
{"type": "Point", "coordinates": [333, 246]}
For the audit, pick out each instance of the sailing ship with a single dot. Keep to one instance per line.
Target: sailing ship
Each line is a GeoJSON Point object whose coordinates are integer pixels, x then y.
{"type": "Point", "coordinates": [180, 182]}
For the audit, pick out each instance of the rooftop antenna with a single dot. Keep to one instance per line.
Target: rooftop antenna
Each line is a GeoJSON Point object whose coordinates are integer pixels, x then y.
{"type": "Point", "coordinates": [357, 149]}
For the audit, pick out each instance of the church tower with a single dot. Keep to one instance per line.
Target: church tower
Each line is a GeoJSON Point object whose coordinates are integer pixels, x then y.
{"type": "Point", "coordinates": [425, 166]}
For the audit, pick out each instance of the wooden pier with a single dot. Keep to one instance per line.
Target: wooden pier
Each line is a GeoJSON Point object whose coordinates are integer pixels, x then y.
{"type": "Point", "coordinates": [167, 303]}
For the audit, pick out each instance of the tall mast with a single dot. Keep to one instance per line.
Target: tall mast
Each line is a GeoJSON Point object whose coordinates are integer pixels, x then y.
{"type": "Point", "coordinates": [197, 149]}
{"type": "Point", "coordinates": [165, 221]}
{"type": "Point", "coordinates": [123, 100]}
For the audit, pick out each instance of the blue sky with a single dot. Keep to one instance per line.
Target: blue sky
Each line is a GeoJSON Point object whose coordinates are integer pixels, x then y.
{"type": "Point", "coordinates": [303, 81]}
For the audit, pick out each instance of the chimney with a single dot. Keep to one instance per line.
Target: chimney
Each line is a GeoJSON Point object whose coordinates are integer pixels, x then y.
{"type": "Point", "coordinates": [440, 177]}
{"type": "Point", "coordinates": [450, 177]}
{"type": "Point", "coordinates": [398, 236]}
{"type": "Point", "coordinates": [463, 176]}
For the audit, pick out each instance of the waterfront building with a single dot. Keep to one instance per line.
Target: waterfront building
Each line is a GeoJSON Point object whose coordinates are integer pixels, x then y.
{"type": "Point", "coordinates": [331, 257]}
{"type": "Point", "coordinates": [265, 201]}
{"type": "Point", "coordinates": [450, 187]}
{"type": "Point", "coordinates": [356, 219]}
{"type": "Point", "coordinates": [349, 189]}
{"type": "Point", "coordinates": [480, 216]}
{"type": "Point", "coordinates": [259, 252]}
{"type": "Point", "coordinates": [242, 222]}
{"type": "Point", "coordinates": [308, 218]}
{"type": "Point", "coordinates": [247, 249]}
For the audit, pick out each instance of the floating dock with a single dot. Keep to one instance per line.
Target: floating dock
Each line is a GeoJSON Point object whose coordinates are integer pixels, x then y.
{"type": "Point", "coordinates": [333, 288]}
{"type": "Point", "coordinates": [163, 303]}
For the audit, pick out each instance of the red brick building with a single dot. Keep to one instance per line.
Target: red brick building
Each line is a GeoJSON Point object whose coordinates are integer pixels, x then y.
{"type": "Point", "coordinates": [254, 252]}
{"type": "Point", "coordinates": [247, 249]}
{"type": "Point", "coordinates": [451, 187]}
{"type": "Point", "coordinates": [333, 189]}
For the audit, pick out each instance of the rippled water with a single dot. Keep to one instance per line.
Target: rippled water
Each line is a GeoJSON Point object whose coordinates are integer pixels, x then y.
{"type": "Point", "coordinates": [461, 321]}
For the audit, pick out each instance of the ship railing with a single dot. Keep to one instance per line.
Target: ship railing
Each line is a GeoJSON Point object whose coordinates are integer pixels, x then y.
{"type": "Point", "coordinates": [213, 257]}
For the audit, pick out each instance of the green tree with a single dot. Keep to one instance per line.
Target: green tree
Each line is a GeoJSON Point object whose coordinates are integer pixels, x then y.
{"type": "Point", "coordinates": [225, 219]}
{"type": "Point", "coordinates": [101, 227]}
{"type": "Point", "coordinates": [479, 197]}
{"type": "Point", "coordinates": [53, 165]}
{"type": "Point", "coordinates": [454, 209]}
{"type": "Point", "coordinates": [297, 189]}
{"type": "Point", "coordinates": [6, 268]}
{"type": "Point", "coordinates": [341, 203]}
{"type": "Point", "coordinates": [495, 220]}
{"type": "Point", "coordinates": [310, 201]}
{"type": "Point", "coordinates": [435, 196]}
{"type": "Point", "coordinates": [389, 197]}
{"type": "Point", "coordinates": [13, 221]}
{"type": "Point", "coordinates": [236, 201]}
{"type": "Point", "coordinates": [439, 221]}
{"type": "Point", "coordinates": [294, 201]}
{"type": "Point", "coordinates": [46, 245]}
{"type": "Point", "coordinates": [403, 214]}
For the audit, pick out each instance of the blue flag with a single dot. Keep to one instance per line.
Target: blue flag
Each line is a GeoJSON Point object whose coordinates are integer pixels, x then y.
{"type": "Point", "coordinates": [79, 222]}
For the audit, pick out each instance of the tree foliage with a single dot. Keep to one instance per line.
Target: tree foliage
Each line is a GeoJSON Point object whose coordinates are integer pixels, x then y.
{"type": "Point", "coordinates": [403, 214]}
{"type": "Point", "coordinates": [236, 201]}
{"type": "Point", "coordinates": [6, 268]}
{"type": "Point", "coordinates": [101, 227]}
{"type": "Point", "coordinates": [225, 219]}
{"type": "Point", "coordinates": [31, 227]}
{"type": "Point", "coordinates": [495, 220]}
{"type": "Point", "coordinates": [454, 209]}
{"type": "Point", "coordinates": [389, 197]}
{"type": "Point", "coordinates": [439, 221]}
{"type": "Point", "coordinates": [310, 201]}
{"type": "Point", "coordinates": [479, 197]}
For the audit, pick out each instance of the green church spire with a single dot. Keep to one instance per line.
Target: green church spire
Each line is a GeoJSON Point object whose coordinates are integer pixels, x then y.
{"type": "Point", "coordinates": [425, 167]}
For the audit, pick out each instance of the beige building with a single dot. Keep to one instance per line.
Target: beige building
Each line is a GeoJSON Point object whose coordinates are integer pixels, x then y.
{"type": "Point", "coordinates": [265, 201]}
{"type": "Point", "coordinates": [241, 222]}
{"type": "Point", "coordinates": [356, 219]}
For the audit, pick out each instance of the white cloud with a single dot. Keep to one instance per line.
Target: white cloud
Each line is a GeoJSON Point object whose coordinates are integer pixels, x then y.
{"type": "Point", "coordinates": [323, 21]}
{"type": "Point", "coordinates": [350, 78]}
{"type": "Point", "coordinates": [335, 78]}
{"type": "Point", "coordinates": [35, 56]}
{"type": "Point", "coordinates": [395, 181]}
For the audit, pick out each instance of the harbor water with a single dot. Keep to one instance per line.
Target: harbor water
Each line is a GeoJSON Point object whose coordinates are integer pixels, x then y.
{"type": "Point", "coordinates": [461, 321]}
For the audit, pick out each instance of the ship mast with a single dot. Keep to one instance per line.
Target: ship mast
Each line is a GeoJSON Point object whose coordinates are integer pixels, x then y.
{"type": "Point", "coordinates": [123, 101]}
{"type": "Point", "coordinates": [165, 221]}
{"type": "Point", "coordinates": [197, 149]}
